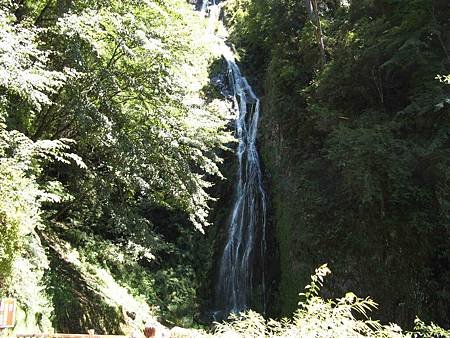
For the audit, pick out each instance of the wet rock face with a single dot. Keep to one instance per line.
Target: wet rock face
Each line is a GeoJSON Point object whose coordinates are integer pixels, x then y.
{"type": "Point", "coordinates": [312, 226]}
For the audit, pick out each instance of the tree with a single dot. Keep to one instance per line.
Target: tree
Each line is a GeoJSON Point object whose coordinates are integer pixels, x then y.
{"type": "Point", "coordinates": [117, 83]}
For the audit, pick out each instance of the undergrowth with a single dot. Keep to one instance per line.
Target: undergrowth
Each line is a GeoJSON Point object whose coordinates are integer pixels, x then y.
{"type": "Point", "coordinates": [318, 317]}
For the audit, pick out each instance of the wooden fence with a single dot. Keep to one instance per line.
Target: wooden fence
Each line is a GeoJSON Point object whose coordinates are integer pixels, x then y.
{"type": "Point", "coordinates": [65, 335]}
{"type": "Point", "coordinates": [90, 334]}
{"type": "Point", "coordinates": [149, 332]}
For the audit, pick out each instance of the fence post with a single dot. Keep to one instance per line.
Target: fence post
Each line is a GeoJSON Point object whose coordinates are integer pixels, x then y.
{"type": "Point", "coordinates": [149, 331]}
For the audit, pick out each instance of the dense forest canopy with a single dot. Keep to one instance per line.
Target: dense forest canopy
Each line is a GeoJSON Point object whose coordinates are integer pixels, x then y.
{"type": "Point", "coordinates": [356, 147]}
{"type": "Point", "coordinates": [105, 128]}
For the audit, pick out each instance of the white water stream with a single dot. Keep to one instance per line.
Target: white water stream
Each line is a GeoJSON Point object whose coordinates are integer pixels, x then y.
{"type": "Point", "coordinates": [245, 244]}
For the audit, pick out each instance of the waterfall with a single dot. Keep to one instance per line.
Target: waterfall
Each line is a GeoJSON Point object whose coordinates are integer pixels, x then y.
{"type": "Point", "coordinates": [204, 4]}
{"type": "Point", "coordinates": [246, 232]}
{"type": "Point", "coordinates": [245, 243]}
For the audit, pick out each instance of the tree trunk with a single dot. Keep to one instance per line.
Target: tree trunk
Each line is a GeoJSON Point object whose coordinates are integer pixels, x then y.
{"type": "Point", "coordinates": [319, 34]}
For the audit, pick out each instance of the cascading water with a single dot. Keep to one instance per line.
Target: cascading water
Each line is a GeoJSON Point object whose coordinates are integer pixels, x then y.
{"type": "Point", "coordinates": [204, 4]}
{"type": "Point", "coordinates": [246, 229]}
{"type": "Point", "coordinates": [245, 244]}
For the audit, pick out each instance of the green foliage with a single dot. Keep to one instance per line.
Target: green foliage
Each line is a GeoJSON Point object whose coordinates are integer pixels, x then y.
{"type": "Point", "coordinates": [86, 295]}
{"type": "Point", "coordinates": [21, 199]}
{"type": "Point", "coordinates": [170, 285]}
{"type": "Point", "coordinates": [444, 78]}
{"type": "Point", "coordinates": [121, 84]}
{"type": "Point", "coordinates": [357, 151]}
{"type": "Point", "coordinates": [23, 66]}
{"type": "Point", "coordinates": [25, 79]}
{"type": "Point", "coordinates": [319, 317]}
{"type": "Point", "coordinates": [431, 330]}
{"type": "Point", "coordinates": [142, 100]}
{"type": "Point", "coordinates": [316, 317]}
